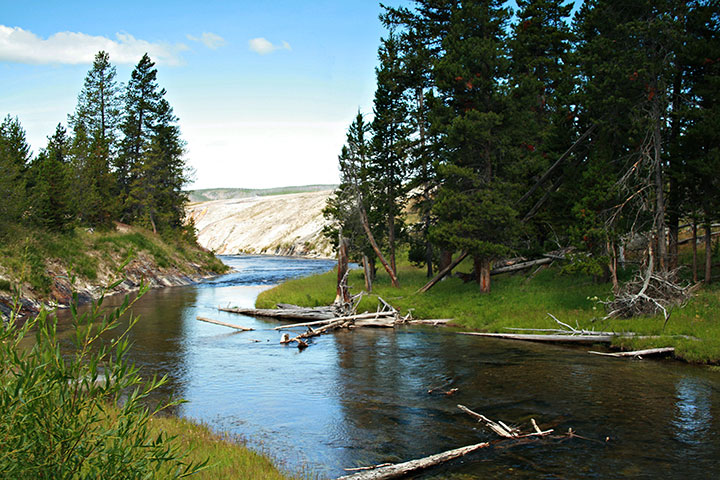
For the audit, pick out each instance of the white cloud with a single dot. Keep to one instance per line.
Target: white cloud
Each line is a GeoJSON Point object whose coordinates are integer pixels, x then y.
{"type": "Point", "coordinates": [263, 46]}
{"type": "Point", "coordinates": [210, 40]}
{"type": "Point", "coordinates": [22, 46]}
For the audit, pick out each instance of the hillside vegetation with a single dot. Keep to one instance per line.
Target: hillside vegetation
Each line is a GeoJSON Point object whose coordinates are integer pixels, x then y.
{"type": "Point", "coordinates": [49, 266]}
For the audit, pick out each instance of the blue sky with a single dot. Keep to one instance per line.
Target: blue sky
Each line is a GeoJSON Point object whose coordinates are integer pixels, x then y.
{"type": "Point", "coordinates": [264, 90]}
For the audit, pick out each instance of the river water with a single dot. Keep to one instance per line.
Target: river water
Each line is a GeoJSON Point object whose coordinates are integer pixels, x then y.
{"type": "Point", "coordinates": [360, 397]}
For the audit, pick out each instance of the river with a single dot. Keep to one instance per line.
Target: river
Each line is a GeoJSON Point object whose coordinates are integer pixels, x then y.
{"type": "Point", "coordinates": [360, 397]}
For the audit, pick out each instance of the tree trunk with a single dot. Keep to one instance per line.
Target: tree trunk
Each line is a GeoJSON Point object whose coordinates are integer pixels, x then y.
{"type": "Point", "coordinates": [708, 253]}
{"type": "Point", "coordinates": [694, 250]}
{"type": "Point", "coordinates": [482, 273]}
{"type": "Point", "coordinates": [371, 239]}
{"type": "Point", "coordinates": [674, 197]}
{"type": "Point", "coordinates": [429, 259]}
{"type": "Point", "coordinates": [445, 259]}
{"type": "Point", "coordinates": [342, 294]}
{"type": "Point", "coordinates": [391, 241]}
{"type": "Point", "coordinates": [673, 225]}
{"type": "Point", "coordinates": [659, 192]}
{"type": "Point", "coordinates": [613, 266]}
{"type": "Point", "coordinates": [368, 274]}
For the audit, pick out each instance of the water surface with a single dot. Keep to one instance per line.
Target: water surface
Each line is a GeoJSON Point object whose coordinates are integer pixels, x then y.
{"type": "Point", "coordinates": [360, 397]}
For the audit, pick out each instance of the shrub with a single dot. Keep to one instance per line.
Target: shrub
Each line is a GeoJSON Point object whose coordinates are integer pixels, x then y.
{"type": "Point", "coordinates": [82, 413]}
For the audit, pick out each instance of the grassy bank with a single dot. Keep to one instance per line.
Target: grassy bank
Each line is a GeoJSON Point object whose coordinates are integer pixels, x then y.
{"type": "Point", "coordinates": [35, 257]}
{"type": "Point", "coordinates": [227, 457]}
{"type": "Point", "coordinates": [523, 300]}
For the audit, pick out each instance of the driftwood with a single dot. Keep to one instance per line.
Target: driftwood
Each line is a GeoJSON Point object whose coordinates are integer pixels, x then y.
{"type": "Point", "coordinates": [507, 434]}
{"type": "Point", "coordinates": [442, 273]}
{"type": "Point", "coordinates": [547, 338]}
{"type": "Point", "coordinates": [513, 267]}
{"type": "Point", "coordinates": [431, 321]}
{"type": "Point", "coordinates": [648, 294]}
{"type": "Point", "coordinates": [311, 333]}
{"type": "Point", "coordinates": [288, 313]}
{"type": "Point", "coordinates": [503, 430]}
{"type": "Point", "coordinates": [330, 320]}
{"type": "Point", "coordinates": [521, 266]}
{"type": "Point", "coordinates": [400, 470]}
{"type": "Point", "coordinates": [216, 322]}
{"type": "Point", "coordinates": [638, 353]}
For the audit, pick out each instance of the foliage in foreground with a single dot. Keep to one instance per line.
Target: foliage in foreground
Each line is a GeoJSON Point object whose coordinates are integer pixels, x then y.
{"type": "Point", "coordinates": [523, 301]}
{"type": "Point", "coordinates": [81, 414]}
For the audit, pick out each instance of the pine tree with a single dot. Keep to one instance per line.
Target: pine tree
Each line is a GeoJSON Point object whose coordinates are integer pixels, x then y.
{"type": "Point", "coordinates": [156, 193]}
{"type": "Point", "coordinates": [95, 125]}
{"type": "Point", "coordinates": [539, 101]}
{"type": "Point", "coordinates": [51, 195]}
{"type": "Point", "coordinates": [474, 202]}
{"type": "Point", "coordinates": [700, 142]}
{"type": "Point", "coordinates": [627, 61]}
{"type": "Point", "coordinates": [387, 169]}
{"type": "Point", "coordinates": [420, 31]}
{"type": "Point", "coordinates": [141, 104]}
{"type": "Point", "coordinates": [14, 157]}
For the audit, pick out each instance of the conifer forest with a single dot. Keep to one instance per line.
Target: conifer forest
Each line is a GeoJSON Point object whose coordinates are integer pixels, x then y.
{"type": "Point", "coordinates": [119, 159]}
{"type": "Point", "coordinates": [505, 134]}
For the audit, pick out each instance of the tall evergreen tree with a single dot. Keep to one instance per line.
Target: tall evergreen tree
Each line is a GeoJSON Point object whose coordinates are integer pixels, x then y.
{"type": "Point", "coordinates": [539, 101]}
{"type": "Point", "coordinates": [700, 142]}
{"type": "Point", "coordinates": [474, 202]}
{"type": "Point", "coordinates": [420, 31]}
{"type": "Point", "coordinates": [156, 193]}
{"type": "Point", "coordinates": [14, 158]}
{"type": "Point", "coordinates": [141, 99]}
{"type": "Point", "coordinates": [387, 170]}
{"type": "Point", "coordinates": [51, 197]}
{"type": "Point", "coordinates": [95, 124]}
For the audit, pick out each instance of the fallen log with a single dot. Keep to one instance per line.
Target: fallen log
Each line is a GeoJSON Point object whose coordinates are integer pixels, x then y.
{"type": "Point", "coordinates": [499, 429]}
{"type": "Point", "coordinates": [547, 338]}
{"type": "Point", "coordinates": [290, 306]}
{"type": "Point", "coordinates": [325, 322]}
{"type": "Point", "coordinates": [375, 323]}
{"type": "Point", "coordinates": [520, 266]}
{"type": "Point", "coordinates": [431, 321]}
{"type": "Point", "coordinates": [638, 353]}
{"type": "Point", "coordinates": [399, 470]}
{"type": "Point", "coordinates": [387, 305]}
{"type": "Point", "coordinates": [311, 333]}
{"type": "Point", "coordinates": [216, 322]}
{"type": "Point", "coordinates": [288, 313]}
{"type": "Point", "coordinates": [442, 273]}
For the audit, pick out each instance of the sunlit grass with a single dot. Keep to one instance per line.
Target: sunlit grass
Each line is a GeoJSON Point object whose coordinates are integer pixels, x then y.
{"type": "Point", "coordinates": [523, 301]}
{"type": "Point", "coordinates": [227, 457]}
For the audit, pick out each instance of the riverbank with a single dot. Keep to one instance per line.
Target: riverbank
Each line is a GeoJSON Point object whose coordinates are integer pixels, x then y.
{"type": "Point", "coordinates": [228, 457]}
{"type": "Point", "coordinates": [524, 301]}
{"type": "Point", "coordinates": [49, 267]}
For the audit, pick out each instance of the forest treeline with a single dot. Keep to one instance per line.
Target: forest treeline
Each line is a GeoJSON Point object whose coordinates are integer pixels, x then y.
{"type": "Point", "coordinates": [501, 133]}
{"type": "Point", "coordinates": [120, 159]}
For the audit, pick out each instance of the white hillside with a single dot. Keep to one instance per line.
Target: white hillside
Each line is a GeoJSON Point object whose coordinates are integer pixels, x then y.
{"type": "Point", "coordinates": [278, 225]}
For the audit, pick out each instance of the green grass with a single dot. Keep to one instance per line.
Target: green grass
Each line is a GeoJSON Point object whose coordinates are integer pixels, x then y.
{"type": "Point", "coordinates": [228, 458]}
{"type": "Point", "coordinates": [27, 254]}
{"type": "Point", "coordinates": [522, 301]}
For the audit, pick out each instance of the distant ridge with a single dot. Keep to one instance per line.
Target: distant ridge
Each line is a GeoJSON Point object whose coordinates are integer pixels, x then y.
{"type": "Point", "coordinates": [208, 194]}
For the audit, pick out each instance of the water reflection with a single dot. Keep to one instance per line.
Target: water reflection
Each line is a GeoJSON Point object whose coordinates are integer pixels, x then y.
{"type": "Point", "coordinates": [360, 397]}
{"type": "Point", "coordinates": [693, 417]}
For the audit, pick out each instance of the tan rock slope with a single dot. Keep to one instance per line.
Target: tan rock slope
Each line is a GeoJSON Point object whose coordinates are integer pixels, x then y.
{"type": "Point", "coordinates": [276, 225]}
